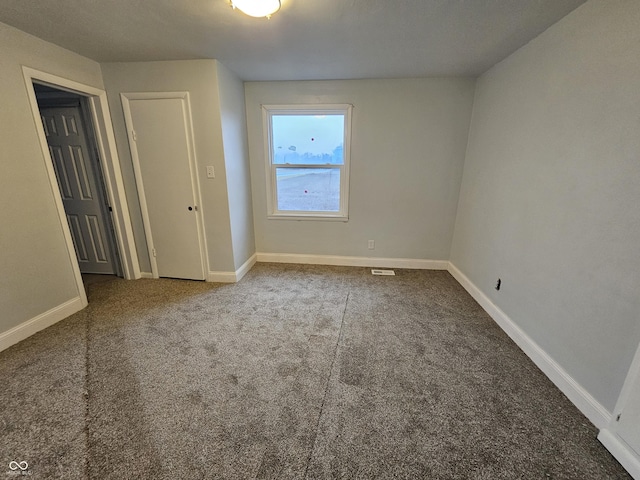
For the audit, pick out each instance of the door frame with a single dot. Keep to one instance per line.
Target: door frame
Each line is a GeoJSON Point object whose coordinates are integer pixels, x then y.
{"type": "Point", "coordinates": [109, 161]}
{"type": "Point", "coordinates": [193, 170]}
{"type": "Point", "coordinates": [609, 437]}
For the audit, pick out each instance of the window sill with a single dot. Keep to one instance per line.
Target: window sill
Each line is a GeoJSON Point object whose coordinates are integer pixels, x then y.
{"type": "Point", "coordinates": [316, 217]}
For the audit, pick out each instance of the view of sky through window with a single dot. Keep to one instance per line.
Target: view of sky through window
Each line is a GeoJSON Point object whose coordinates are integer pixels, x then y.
{"type": "Point", "coordinates": [308, 139]}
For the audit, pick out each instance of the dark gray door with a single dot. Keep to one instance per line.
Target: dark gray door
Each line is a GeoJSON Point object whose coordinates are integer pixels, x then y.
{"type": "Point", "coordinates": [78, 174]}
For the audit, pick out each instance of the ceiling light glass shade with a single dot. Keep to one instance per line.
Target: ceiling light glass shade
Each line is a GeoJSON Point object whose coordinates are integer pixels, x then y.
{"type": "Point", "coordinates": [257, 8]}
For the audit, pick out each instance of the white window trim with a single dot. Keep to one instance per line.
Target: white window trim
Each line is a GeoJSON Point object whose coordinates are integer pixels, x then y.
{"type": "Point", "coordinates": [270, 168]}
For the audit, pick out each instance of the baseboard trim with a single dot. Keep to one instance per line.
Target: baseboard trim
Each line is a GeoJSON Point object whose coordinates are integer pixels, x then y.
{"type": "Point", "coordinates": [42, 321]}
{"type": "Point", "coordinates": [146, 275]}
{"type": "Point", "coordinates": [222, 277]}
{"type": "Point", "coordinates": [589, 406]}
{"type": "Point", "coordinates": [344, 261]}
{"type": "Point", "coordinates": [232, 277]}
{"type": "Point", "coordinates": [246, 267]}
{"type": "Point", "coordinates": [621, 452]}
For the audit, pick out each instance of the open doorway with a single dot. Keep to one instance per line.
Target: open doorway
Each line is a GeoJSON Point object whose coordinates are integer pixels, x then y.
{"type": "Point", "coordinates": [69, 132]}
{"type": "Point", "coordinates": [95, 108]}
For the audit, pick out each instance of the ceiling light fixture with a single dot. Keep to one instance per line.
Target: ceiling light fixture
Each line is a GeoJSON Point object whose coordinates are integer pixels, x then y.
{"type": "Point", "coordinates": [257, 8]}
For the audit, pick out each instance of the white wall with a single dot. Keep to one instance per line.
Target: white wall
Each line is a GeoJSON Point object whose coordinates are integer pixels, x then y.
{"type": "Point", "coordinates": [408, 144]}
{"type": "Point", "coordinates": [199, 78]}
{"type": "Point", "coordinates": [36, 273]}
{"type": "Point", "coordinates": [550, 200]}
{"type": "Point", "coordinates": [236, 157]}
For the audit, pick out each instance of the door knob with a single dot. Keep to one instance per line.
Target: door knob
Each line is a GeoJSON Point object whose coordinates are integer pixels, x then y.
{"type": "Point", "coordinates": [190, 208]}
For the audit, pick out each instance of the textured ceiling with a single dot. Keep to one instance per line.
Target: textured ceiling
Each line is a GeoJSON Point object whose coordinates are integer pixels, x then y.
{"type": "Point", "coordinates": [306, 39]}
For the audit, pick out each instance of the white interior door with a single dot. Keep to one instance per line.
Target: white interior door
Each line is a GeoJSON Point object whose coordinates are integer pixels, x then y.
{"type": "Point", "coordinates": [164, 161]}
{"type": "Point", "coordinates": [82, 197]}
{"type": "Point", "coordinates": [629, 428]}
{"type": "Point", "coordinates": [626, 423]}
{"type": "Point", "coordinates": [622, 435]}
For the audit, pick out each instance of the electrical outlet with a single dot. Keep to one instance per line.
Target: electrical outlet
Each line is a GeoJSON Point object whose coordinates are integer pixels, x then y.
{"type": "Point", "coordinates": [211, 173]}
{"type": "Point", "coordinates": [371, 244]}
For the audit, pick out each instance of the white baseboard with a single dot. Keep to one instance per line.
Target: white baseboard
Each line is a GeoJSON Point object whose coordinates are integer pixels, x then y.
{"type": "Point", "coordinates": [146, 275]}
{"type": "Point", "coordinates": [248, 265]}
{"type": "Point", "coordinates": [353, 261]}
{"type": "Point", "coordinates": [233, 277]}
{"type": "Point", "coordinates": [42, 321]}
{"type": "Point", "coordinates": [589, 406]}
{"type": "Point", "coordinates": [222, 277]}
{"type": "Point", "coordinates": [621, 452]}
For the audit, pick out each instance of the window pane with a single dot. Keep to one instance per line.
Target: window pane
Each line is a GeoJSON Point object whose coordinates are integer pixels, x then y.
{"type": "Point", "coordinates": [308, 189]}
{"type": "Point", "coordinates": [308, 139]}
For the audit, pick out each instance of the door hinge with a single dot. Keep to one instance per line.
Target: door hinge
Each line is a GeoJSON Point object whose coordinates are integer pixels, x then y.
{"type": "Point", "coordinates": [153, 252]}
{"type": "Point", "coordinates": [134, 135]}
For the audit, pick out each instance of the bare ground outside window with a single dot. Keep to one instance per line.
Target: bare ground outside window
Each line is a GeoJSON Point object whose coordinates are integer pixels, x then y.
{"type": "Point", "coordinates": [306, 190]}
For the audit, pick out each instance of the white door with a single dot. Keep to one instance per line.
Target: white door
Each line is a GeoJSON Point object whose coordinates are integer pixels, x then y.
{"type": "Point", "coordinates": [82, 195]}
{"type": "Point", "coordinates": [629, 421]}
{"type": "Point", "coordinates": [622, 435]}
{"type": "Point", "coordinates": [164, 161]}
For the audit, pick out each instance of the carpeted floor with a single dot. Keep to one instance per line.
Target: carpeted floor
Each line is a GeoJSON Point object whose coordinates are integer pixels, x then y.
{"type": "Point", "coordinates": [295, 372]}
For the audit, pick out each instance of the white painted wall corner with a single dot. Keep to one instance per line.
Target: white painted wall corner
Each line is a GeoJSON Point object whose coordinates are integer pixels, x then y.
{"type": "Point", "coordinates": [232, 277]}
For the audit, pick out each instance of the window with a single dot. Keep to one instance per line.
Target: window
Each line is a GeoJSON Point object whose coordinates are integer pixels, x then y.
{"type": "Point", "coordinates": [307, 154]}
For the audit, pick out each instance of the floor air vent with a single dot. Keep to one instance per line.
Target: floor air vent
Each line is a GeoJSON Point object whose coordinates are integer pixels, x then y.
{"type": "Point", "coordinates": [382, 272]}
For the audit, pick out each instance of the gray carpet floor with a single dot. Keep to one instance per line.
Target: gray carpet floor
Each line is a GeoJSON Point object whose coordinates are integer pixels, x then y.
{"type": "Point", "coordinates": [296, 372]}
